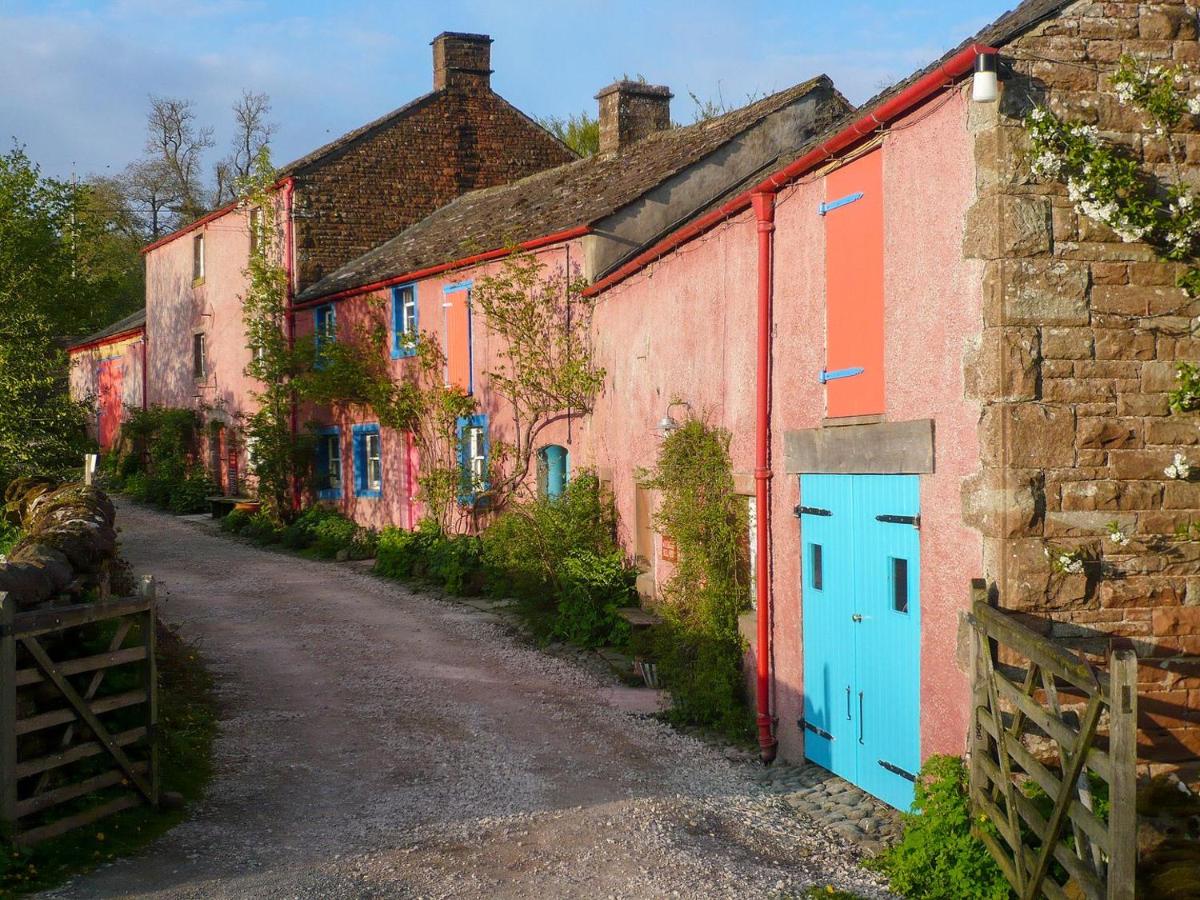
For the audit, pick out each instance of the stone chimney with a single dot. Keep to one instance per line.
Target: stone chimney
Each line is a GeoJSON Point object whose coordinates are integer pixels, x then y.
{"type": "Point", "coordinates": [461, 61]}
{"type": "Point", "coordinates": [631, 110]}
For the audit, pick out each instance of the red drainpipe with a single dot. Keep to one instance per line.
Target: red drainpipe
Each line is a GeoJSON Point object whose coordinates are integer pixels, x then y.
{"type": "Point", "coordinates": [764, 214]}
{"type": "Point", "coordinates": [145, 370]}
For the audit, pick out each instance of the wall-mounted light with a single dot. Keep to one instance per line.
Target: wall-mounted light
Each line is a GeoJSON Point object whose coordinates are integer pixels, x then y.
{"type": "Point", "coordinates": [983, 85]}
{"type": "Point", "coordinates": [667, 423]}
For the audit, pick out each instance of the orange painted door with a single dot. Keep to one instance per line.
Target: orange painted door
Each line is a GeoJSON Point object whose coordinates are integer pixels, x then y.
{"type": "Point", "coordinates": [853, 213]}
{"type": "Point", "coordinates": [109, 377]}
{"type": "Point", "coordinates": [457, 338]}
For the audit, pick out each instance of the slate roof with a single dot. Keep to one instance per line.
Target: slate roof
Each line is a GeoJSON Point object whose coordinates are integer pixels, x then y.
{"type": "Point", "coordinates": [131, 321]}
{"type": "Point", "coordinates": [575, 194]}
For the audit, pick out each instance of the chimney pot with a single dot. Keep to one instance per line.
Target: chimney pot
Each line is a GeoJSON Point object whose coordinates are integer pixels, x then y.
{"type": "Point", "coordinates": [461, 61]}
{"type": "Point", "coordinates": [631, 110]}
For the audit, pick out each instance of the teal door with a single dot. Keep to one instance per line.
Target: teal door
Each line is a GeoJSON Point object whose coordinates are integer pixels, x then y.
{"type": "Point", "coordinates": [861, 619]}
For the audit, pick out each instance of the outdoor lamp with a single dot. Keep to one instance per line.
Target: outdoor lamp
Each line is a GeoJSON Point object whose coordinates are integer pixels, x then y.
{"type": "Point", "coordinates": [667, 423]}
{"type": "Point", "coordinates": [983, 85]}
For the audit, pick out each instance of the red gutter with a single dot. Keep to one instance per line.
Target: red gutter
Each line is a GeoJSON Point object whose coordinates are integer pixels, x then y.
{"type": "Point", "coordinates": [109, 339]}
{"type": "Point", "coordinates": [534, 244]}
{"type": "Point", "coordinates": [917, 92]}
{"type": "Point", "coordinates": [764, 214]}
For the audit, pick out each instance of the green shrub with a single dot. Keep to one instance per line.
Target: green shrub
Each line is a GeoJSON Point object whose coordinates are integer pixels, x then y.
{"type": "Point", "coordinates": [592, 588]}
{"type": "Point", "coordinates": [236, 521]}
{"type": "Point", "coordinates": [332, 534]}
{"type": "Point", "coordinates": [455, 561]}
{"type": "Point", "coordinates": [262, 528]}
{"type": "Point", "coordinates": [302, 533]}
{"type": "Point", "coordinates": [135, 486]}
{"type": "Point", "coordinates": [191, 495]}
{"type": "Point", "coordinates": [938, 858]}
{"type": "Point", "coordinates": [524, 549]}
{"type": "Point", "coordinates": [9, 535]}
{"type": "Point", "coordinates": [703, 672]}
{"type": "Point", "coordinates": [400, 553]}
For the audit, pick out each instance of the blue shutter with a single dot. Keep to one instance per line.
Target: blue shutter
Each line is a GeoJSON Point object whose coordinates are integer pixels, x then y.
{"type": "Point", "coordinates": [361, 487]}
{"type": "Point", "coordinates": [400, 327]}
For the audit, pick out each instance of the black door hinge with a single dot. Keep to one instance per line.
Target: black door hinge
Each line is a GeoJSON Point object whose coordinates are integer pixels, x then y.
{"type": "Point", "coordinates": [914, 521]}
{"type": "Point", "coordinates": [810, 511]}
{"type": "Point", "coordinates": [820, 732]}
{"type": "Point", "coordinates": [896, 770]}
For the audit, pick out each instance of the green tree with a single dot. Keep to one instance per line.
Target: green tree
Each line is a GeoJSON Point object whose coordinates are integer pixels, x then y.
{"type": "Point", "coordinates": [581, 133]}
{"type": "Point", "coordinates": [43, 289]}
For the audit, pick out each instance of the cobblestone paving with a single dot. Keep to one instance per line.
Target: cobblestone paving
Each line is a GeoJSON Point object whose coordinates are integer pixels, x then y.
{"type": "Point", "coordinates": [845, 809]}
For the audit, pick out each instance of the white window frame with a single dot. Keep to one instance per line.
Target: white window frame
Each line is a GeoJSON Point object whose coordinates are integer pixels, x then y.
{"type": "Point", "coordinates": [373, 452]}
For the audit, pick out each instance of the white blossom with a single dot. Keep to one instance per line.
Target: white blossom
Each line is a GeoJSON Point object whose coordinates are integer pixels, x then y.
{"type": "Point", "coordinates": [1070, 564]}
{"type": "Point", "coordinates": [1179, 469]}
{"type": "Point", "coordinates": [1193, 105]}
{"type": "Point", "coordinates": [1118, 537]}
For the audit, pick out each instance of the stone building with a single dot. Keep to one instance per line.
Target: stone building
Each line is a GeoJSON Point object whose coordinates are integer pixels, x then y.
{"type": "Point", "coordinates": [335, 203]}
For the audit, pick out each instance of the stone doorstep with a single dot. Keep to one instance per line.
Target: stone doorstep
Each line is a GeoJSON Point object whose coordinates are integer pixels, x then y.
{"type": "Point", "coordinates": [837, 804]}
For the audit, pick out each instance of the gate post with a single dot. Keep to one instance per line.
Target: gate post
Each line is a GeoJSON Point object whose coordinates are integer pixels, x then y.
{"type": "Point", "coordinates": [150, 594]}
{"type": "Point", "coordinates": [1122, 791]}
{"type": "Point", "coordinates": [976, 740]}
{"type": "Point", "coordinates": [8, 719]}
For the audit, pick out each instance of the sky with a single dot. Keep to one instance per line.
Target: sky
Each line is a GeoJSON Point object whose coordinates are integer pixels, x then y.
{"type": "Point", "coordinates": [75, 77]}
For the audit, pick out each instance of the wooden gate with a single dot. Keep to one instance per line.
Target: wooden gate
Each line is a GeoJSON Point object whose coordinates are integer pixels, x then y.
{"type": "Point", "coordinates": [74, 746]}
{"type": "Point", "coordinates": [1038, 724]}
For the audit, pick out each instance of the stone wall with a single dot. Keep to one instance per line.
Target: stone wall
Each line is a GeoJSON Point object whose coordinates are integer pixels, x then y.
{"type": "Point", "coordinates": [396, 173]}
{"type": "Point", "coordinates": [1077, 355]}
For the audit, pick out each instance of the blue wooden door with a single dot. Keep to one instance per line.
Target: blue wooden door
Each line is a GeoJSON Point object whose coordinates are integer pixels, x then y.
{"type": "Point", "coordinates": [888, 634]}
{"type": "Point", "coordinates": [861, 618]}
{"type": "Point", "coordinates": [828, 593]}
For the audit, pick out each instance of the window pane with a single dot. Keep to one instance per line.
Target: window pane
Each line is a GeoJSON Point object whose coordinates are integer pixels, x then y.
{"type": "Point", "coordinates": [816, 565]}
{"type": "Point", "coordinates": [900, 585]}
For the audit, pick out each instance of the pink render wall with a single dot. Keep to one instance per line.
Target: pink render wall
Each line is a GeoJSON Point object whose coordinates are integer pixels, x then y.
{"type": "Point", "coordinates": [393, 506]}
{"type": "Point", "coordinates": [84, 375]}
{"type": "Point", "coordinates": [686, 328]}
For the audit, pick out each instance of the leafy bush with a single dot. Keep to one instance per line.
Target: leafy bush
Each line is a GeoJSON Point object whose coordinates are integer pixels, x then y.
{"type": "Point", "coordinates": [191, 495]}
{"type": "Point", "coordinates": [700, 650]}
{"type": "Point", "coordinates": [135, 486]}
{"type": "Point", "coordinates": [938, 858]}
{"type": "Point", "coordinates": [9, 535]}
{"type": "Point", "coordinates": [236, 521]}
{"type": "Point", "coordinates": [592, 589]}
{"type": "Point", "coordinates": [401, 553]}
{"type": "Point", "coordinates": [332, 534]}
{"type": "Point", "coordinates": [703, 672]}
{"type": "Point", "coordinates": [524, 550]}
{"type": "Point", "coordinates": [455, 561]}
{"type": "Point", "coordinates": [262, 528]}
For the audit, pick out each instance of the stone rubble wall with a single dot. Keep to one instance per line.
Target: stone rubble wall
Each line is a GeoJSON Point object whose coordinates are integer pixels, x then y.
{"type": "Point", "coordinates": [1077, 354]}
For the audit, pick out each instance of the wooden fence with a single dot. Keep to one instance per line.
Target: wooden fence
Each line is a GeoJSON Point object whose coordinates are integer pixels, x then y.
{"type": "Point", "coordinates": [1038, 725]}
{"type": "Point", "coordinates": [62, 765]}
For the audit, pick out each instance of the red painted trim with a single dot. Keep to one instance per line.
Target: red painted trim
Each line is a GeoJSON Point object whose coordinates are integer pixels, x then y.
{"type": "Point", "coordinates": [110, 339]}
{"type": "Point", "coordinates": [916, 93]}
{"type": "Point", "coordinates": [535, 244]}
{"type": "Point", "coordinates": [205, 219]}
{"type": "Point", "coordinates": [199, 223]}
{"type": "Point", "coordinates": [764, 214]}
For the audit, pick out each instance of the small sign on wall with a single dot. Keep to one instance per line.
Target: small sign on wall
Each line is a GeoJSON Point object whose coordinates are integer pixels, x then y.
{"type": "Point", "coordinates": [670, 550]}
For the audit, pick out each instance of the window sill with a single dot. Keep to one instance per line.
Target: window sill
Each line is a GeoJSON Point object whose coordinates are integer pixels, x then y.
{"type": "Point", "coordinates": [368, 495]}
{"type": "Point", "coordinates": [329, 494]}
{"type": "Point", "coordinates": [403, 354]}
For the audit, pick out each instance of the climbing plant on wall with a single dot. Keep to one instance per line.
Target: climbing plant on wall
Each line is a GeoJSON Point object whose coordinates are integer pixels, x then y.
{"type": "Point", "coordinates": [545, 368]}
{"type": "Point", "coordinates": [278, 453]}
{"type": "Point", "coordinates": [700, 648]}
{"type": "Point", "coordinates": [1108, 185]}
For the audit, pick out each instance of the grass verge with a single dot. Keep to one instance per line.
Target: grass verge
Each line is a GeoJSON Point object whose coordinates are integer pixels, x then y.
{"type": "Point", "coordinates": [187, 726]}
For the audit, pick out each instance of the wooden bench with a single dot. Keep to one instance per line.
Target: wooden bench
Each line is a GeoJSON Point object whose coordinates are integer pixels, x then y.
{"type": "Point", "coordinates": [638, 617]}
{"type": "Point", "coordinates": [221, 506]}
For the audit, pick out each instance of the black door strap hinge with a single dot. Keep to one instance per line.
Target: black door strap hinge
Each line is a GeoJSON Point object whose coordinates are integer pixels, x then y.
{"type": "Point", "coordinates": [914, 521]}
{"type": "Point", "coordinates": [896, 770]}
{"type": "Point", "coordinates": [810, 511]}
{"type": "Point", "coordinates": [820, 732]}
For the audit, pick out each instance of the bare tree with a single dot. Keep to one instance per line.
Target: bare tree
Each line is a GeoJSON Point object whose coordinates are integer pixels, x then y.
{"type": "Point", "coordinates": [252, 132]}
{"type": "Point", "coordinates": [174, 139]}
{"type": "Point", "coordinates": [152, 189]}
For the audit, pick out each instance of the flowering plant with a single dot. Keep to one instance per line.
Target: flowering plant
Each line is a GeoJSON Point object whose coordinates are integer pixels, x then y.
{"type": "Point", "coordinates": [1065, 562]}
{"type": "Point", "coordinates": [1109, 186]}
{"type": "Point", "coordinates": [1179, 469]}
{"type": "Point", "coordinates": [1117, 535]}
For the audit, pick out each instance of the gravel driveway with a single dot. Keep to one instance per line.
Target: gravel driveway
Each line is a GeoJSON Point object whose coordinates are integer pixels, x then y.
{"type": "Point", "coordinates": [377, 742]}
